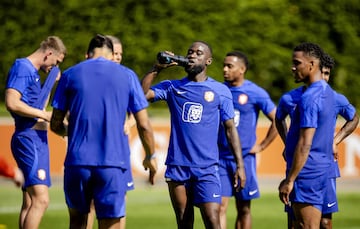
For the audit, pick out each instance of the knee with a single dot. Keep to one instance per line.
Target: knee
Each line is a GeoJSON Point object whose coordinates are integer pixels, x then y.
{"type": "Point", "coordinates": [223, 209]}
{"type": "Point", "coordinates": [42, 202]}
{"type": "Point", "coordinates": [244, 211]}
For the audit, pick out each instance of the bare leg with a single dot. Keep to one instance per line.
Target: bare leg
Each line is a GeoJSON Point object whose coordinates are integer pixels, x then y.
{"type": "Point", "coordinates": [307, 216]}
{"type": "Point", "coordinates": [243, 219]}
{"type": "Point", "coordinates": [123, 219]}
{"type": "Point", "coordinates": [223, 209]}
{"type": "Point", "coordinates": [210, 213]}
{"type": "Point", "coordinates": [91, 216]}
{"type": "Point", "coordinates": [77, 219]}
{"type": "Point", "coordinates": [26, 203]}
{"type": "Point", "coordinates": [182, 206]}
{"type": "Point", "coordinates": [109, 223]}
{"type": "Point", "coordinates": [39, 195]}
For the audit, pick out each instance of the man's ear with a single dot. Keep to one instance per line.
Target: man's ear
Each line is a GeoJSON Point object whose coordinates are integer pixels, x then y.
{"type": "Point", "coordinates": [208, 61]}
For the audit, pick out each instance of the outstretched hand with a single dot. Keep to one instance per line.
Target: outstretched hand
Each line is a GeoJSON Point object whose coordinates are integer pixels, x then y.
{"type": "Point", "coordinates": [151, 164]}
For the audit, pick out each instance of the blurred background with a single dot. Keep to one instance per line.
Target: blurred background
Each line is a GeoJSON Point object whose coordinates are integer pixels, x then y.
{"type": "Point", "coordinates": [266, 31]}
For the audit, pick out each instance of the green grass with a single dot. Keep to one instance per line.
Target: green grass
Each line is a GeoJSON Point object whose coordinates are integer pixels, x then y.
{"type": "Point", "coordinates": [149, 207]}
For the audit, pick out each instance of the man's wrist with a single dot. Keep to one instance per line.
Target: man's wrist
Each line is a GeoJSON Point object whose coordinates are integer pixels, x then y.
{"type": "Point", "coordinates": [151, 156]}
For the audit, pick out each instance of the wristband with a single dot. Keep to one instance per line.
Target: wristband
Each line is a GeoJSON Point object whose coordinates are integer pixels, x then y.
{"type": "Point", "coordinates": [152, 156]}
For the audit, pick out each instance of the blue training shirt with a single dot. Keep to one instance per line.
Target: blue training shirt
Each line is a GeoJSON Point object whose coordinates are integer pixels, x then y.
{"type": "Point", "coordinates": [98, 93]}
{"type": "Point", "coordinates": [248, 100]}
{"type": "Point", "coordinates": [288, 105]}
{"type": "Point", "coordinates": [196, 109]}
{"type": "Point", "coordinates": [317, 110]}
{"type": "Point", "coordinates": [24, 78]}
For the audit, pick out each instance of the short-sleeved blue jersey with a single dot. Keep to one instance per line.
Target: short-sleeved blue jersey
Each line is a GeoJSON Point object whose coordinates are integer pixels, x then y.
{"type": "Point", "coordinates": [98, 93]}
{"type": "Point", "coordinates": [196, 109]}
{"type": "Point", "coordinates": [248, 99]}
{"type": "Point", "coordinates": [24, 78]}
{"type": "Point", "coordinates": [317, 110]}
{"type": "Point", "coordinates": [288, 105]}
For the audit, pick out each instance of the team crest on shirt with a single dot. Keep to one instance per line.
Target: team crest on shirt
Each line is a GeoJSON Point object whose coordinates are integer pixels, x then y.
{"type": "Point", "coordinates": [192, 112]}
{"type": "Point", "coordinates": [41, 174]}
{"type": "Point", "coordinates": [209, 96]}
{"type": "Point", "coordinates": [242, 99]}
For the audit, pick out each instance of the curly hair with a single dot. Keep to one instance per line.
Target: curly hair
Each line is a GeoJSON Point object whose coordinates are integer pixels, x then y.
{"type": "Point", "coordinates": [313, 50]}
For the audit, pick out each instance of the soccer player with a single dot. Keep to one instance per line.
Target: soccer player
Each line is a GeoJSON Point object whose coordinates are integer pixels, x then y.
{"type": "Point", "coordinates": [287, 106]}
{"type": "Point", "coordinates": [310, 155]}
{"type": "Point", "coordinates": [348, 112]}
{"type": "Point", "coordinates": [12, 173]}
{"type": "Point", "coordinates": [96, 94]}
{"type": "Point", "coordinates": [130, 122]}
{"type": "Point", "coordinates": [26, 99]}
{"type": "Point", "coordinates": [197, 105]}
{"type": "Point", "coordinates": [118, 49]}
{"type": "Point", "coordinates": [248, 99]}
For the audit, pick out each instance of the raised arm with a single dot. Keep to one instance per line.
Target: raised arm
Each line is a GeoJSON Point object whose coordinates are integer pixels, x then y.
{"type": "Point", "coordinates": [146, 82]}
{"type": "Point", "coordinates": [149, 77]}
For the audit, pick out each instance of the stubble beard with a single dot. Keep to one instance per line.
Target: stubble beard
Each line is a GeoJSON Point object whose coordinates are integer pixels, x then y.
{"type": "Point", "coordinates": [194, 70]}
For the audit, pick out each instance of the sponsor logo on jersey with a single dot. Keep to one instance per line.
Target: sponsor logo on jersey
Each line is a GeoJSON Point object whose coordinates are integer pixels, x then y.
{"type": "Point", "coordinates": [180, 92]}
{"type": "Point", "coordinates": [192, 112]}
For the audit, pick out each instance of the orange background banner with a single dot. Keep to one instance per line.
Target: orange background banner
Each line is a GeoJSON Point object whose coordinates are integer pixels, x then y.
{"type": "Point", "coordinates": [270, 161]}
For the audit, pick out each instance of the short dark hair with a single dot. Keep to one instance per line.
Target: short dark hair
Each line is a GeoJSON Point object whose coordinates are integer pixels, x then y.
{"type": "Point", "coordinates": [328, 61]}
{"type": "Point", "coordinates": [313, 50]}
{"type": "Point", "coordinates": [99, 41]}
{"type": "Point", "coordinates": [241, 56]}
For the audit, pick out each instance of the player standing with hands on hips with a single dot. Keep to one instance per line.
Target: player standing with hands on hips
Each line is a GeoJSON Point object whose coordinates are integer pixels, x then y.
{"type": "Point", "coordinates": [197, 105]}
{"type": "Point", "coordinates": [249, 99]}
{"type": "Point", "coordinates": [309, 151]}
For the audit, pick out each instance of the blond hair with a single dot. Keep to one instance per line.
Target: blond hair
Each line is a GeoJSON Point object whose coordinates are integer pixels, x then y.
{"type": "Point", "coordinates": [55, 43]}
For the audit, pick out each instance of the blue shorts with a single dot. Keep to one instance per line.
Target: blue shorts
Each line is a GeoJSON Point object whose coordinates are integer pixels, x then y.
{"type": "Point", "coordinates": [310, 190]}
{"type": "Point", "coordinates": [129, 180]}
{"type": "Point", "coordinates": [330, 200]}
{"type": "Point", "coordinates": [103, 184]}
{"type": "Point", "coordinates": [202, 183]}
{"type": "Point", "coordinates": [227, 170]}
{"type": "Point", "coordinates": [31, 152]}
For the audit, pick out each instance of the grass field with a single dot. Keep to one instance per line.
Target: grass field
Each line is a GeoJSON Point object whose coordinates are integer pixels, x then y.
{"type": "Point", "coordinates": [150, 208]}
